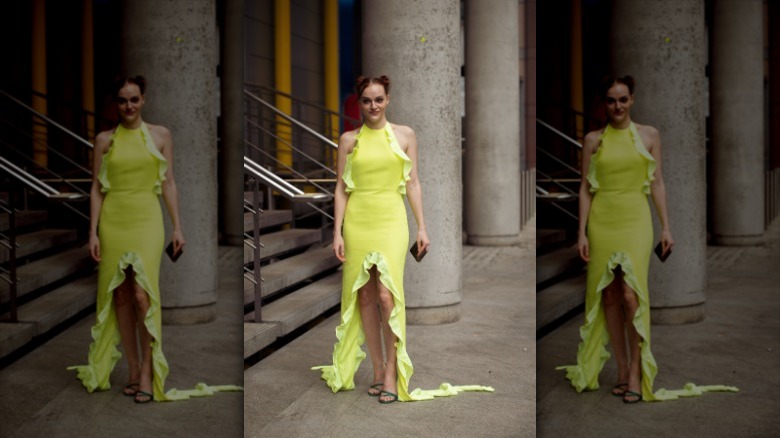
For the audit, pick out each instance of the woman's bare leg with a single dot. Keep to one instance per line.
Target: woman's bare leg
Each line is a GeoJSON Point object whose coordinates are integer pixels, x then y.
{"type": "Point", "coordinates": [369, 316]}
{"type": "Point", "coordinates": [630, 304]}
{"type": "Point", "coordinates": [612, 298]}
{"type": "Point", "coordinates": [141, 300]}
{"type": "Point", "coordinates": [125, 316]}
{"type": "Point", "coordinates": [386, 304]}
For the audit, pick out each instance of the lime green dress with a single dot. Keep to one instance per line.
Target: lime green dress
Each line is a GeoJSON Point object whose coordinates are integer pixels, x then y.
{"type": "Point", "coordinates": [376, 233]}
{"type": "Point", "coordinates": [620, 233]}
{"type": "Point", "coordinates": [131, 233]}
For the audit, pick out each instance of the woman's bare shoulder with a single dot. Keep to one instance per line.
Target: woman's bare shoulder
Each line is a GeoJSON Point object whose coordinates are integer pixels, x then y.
{"type": "Point", "coordinates": [404, 130]}
{"type": "Point", "coordinates": [591, 140]}
{"type": "Point", "coordinates": [103, 140]}
{"type": "Point", "coordinates": [647, 130]}
{"type": "Point", "coordinates": [159, 130]}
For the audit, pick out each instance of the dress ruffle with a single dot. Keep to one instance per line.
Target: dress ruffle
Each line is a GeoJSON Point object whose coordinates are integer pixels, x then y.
{"type": "Point", "coordinates": [94, 380]}
{"type": "Point", "coordinates": [339, 376]}
{"type": "Point", "coordinates": [105, 183]}
{"type": "Point", "coordinates": [394, 146]}
{"type": "Point", "coordinates": [640, 147]}
{"type": "Point", "coordinates": [584, 375]}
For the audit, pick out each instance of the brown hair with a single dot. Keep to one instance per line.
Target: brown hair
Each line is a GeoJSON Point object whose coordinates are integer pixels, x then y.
{"type": "Point", "coordinates": [609, 81]}
{"type": "Point", "coordinates": [121, 81]}
{"type": "Point", "coordinates": [362, 82]}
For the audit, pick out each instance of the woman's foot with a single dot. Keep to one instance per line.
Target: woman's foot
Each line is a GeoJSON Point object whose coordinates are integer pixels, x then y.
{"type": "Point", "coordinates": [619, 389]}
{"type": "Point", "coordinates": [131, 389]}
{"type": "Point", "coordinates": [378, 383]}
{"type": "Point", "coordinates": [144, 392]}
{"type": "Point", "coordinates": [633, 392]}
{"type": "Point", "coordinates": [389, 393]}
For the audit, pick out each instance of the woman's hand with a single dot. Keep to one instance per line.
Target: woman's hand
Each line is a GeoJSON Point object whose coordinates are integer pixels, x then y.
{"type": "Point", "coordinates": [94, 247]}
{"type": "Point", "coordinates": [422, 241]}
{"type": "Point", "coordinates": [338, 247]}
{"type": "Point", "coordinates": [178, 241]}
{"type": "Point", "coordinates": [667, 242]}
{"type": "Point", "coordinates": [583, 247]}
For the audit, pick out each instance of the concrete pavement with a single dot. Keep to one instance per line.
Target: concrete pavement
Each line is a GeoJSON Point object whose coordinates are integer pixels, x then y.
{"type": "Point", "coordinates": [39, 397]}
{"type": "Point", "coordinates": [493, 344]}
{"type": "Point", "coordinates": [737, 344]}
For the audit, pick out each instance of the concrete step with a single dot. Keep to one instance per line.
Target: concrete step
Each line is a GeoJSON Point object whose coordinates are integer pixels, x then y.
{"type": "Point", "coordinates": [293, 270]}
{"type": "Point", "coordinates": [36, 241]}
{"type": "Point", "coordinates": [283, 241]}
{"type": "Point", "coordinates": [258, 336]}
{"type": "Point", "coordinates": [26, 218]}
{"type": "Point", "coordinates": [557, 263]}
{"type": "Point", "coordinates": [549, 237]}
{"type": "Point", "coordinates": [298, 308]}
{"type": "Point", "coordinates": [559, 299]}
{"type": "Point", "coordinates": [45, 271]}
{"type": "Point", "coordinates": [268, 218]}
{"type": "Point", "coordinates": [46, 312]}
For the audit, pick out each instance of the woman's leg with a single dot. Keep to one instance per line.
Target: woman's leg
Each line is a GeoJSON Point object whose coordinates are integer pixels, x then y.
{"type": "Point", "coordinates": [612, 298]}
{"type": "Point", "coordinates": [141, 300]}
{"type": "Point", "coordinates": [369, 316]}
{"type": "Point", "coordinates": [125, 315]}
{"type": "Point", "coordinates": [386, 304]}
{"type": "Point", "coordinates": [630, 304]}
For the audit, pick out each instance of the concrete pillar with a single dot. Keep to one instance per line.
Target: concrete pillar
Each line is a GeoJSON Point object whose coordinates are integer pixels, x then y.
{"type": "Point", "coordinates": [737, 108]}
{"type": "Point", "coordinates": [419, 51]}
{"type": "Point", "coordinates": [173, 44]}
{"type": "Point", "coordinates": [231, 177]}
{"type": "Point", "coordinates": [492, 157]}
{"type": "Point", "coordinates": [665, 52]}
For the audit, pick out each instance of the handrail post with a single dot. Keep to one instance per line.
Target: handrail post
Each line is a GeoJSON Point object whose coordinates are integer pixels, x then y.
{"type": "Point", "coordinates": [256, 249]}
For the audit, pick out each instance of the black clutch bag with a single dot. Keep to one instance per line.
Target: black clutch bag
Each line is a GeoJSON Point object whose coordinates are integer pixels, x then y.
{"type": "Point", "coordinates": [416, 254]}
{"type": "Point", "coordinates": [659, 251]}
{"type": "Point", "coordinates": [171, 255]}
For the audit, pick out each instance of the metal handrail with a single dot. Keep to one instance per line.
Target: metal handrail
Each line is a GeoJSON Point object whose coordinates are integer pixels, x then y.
{"type": "Point", "coordinates": [291, 120]}
{"type": "Point", "coordinates": [305, 102]}
{"type": "Point", "coordinates": [48, 120]}
{"type": "Point", "coordinates": [561, 134]}
{"type": "Point", "coordinates": [288, 144]}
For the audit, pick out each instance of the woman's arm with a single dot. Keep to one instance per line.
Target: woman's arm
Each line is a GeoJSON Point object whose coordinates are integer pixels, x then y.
{"type": "Point", "coordinates": [102, 142]}
{"type": "Point", "coordinates": [586, 198]}
{"type": "Point", "coordinates": [346, 144]}
{"type": "Point", "coordinates": [414, 191]}
{"type": "Point", "coordinates": [169, 192]}
{"type": "Point", "coordinates": [658, 188]}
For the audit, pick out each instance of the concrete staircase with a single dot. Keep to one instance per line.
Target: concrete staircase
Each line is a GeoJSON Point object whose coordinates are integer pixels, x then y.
{"type": "Point", "coordinates": [56, 280]}
{"type": "Point", "coordinates": [560, 280]}
{"type": "Point", "coordinates": [300, 279]}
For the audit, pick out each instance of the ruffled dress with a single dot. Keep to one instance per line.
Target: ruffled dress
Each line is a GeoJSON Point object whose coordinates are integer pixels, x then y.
{"type": "Point", "coordinates": [376, 233]}
{"type": "Point", "coordinates": [620, 233]}
{"type": "Point", "coordinates": [131, 233]}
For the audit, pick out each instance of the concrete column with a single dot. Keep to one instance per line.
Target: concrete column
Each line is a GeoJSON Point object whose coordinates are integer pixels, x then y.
{"type": "Point", "coordinates": [737, 108]}
{"type": "Point", "coordinates": [419, 51]}
{"type": "Point", "coordinates": [173, 44]}
{"type": "Point", "coordinates": [492, 157]}
{"type": "Point", "coordinates": [665, 52]}
{"type": "Point", "coordinates": [231, 177]}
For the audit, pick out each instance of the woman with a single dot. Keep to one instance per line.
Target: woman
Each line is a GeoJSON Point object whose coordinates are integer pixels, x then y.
{"type": "Point", "coordinates": [621, 166]}
{"type": "Point", "coordinates": [133, 165]}
{"type": "Point", "coordinates": [377, 166]}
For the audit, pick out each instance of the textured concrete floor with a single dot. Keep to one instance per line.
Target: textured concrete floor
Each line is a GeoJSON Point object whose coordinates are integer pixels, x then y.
{"type": "Point", "coordinates": [493, 344]}
{"type": "Point", "coordinates": [39, 397]}
{"type": "Point", "coordinates": [737, 344]}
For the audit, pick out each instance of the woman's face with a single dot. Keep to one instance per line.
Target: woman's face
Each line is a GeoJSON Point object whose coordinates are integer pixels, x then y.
{"type": "Point", "coordinates": [373, 103]}
{"type": "Point", "coordinates": [619, 102]}
{"type": "Point", "coordinates": [129, 102]}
